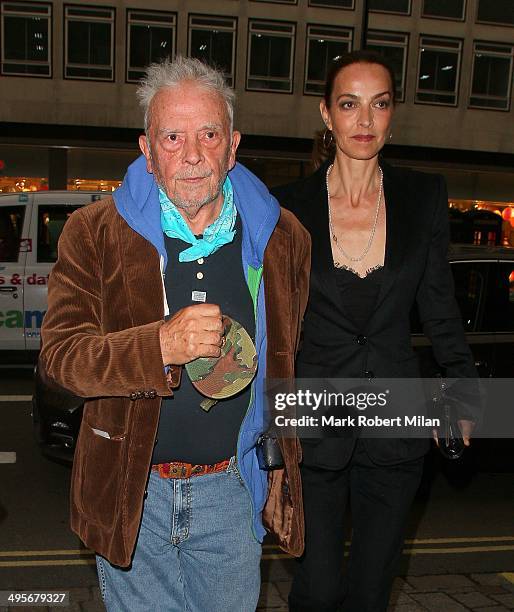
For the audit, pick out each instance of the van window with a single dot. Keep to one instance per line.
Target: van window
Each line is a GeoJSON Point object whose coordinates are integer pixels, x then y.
{"type": "Point", "coordinates": [51, 220]}
{"type": "Point", "coordinates": [11, 223]}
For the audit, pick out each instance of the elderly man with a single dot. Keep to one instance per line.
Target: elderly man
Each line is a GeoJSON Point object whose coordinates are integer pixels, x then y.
{"type": "Point", "coordinates": [166, 488]}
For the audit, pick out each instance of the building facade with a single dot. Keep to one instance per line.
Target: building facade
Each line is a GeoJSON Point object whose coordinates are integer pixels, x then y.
{"type": "Point", "coordinates": [69, 71]}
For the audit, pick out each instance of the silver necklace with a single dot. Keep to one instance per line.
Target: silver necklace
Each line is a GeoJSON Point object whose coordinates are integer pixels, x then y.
{"type": "Point", "coordinates": [373, 229]}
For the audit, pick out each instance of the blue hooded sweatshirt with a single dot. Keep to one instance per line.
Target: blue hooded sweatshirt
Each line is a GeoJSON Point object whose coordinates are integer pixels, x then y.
{"type": "Point", "coordinates": [137, 201]}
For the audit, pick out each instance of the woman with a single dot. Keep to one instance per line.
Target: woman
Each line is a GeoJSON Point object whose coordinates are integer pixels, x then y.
{"type": "Point", "coordinates": [379, 242]}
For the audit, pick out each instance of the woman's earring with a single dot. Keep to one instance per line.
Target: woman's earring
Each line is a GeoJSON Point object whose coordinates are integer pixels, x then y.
{"type": "Point", "coordinates": [390, 136]}
{"type": "Point", "coordinates": [328, 144]}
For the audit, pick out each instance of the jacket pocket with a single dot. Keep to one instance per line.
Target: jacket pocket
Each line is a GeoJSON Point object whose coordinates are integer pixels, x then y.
{"type": "Point", "coordinates": [99, 474]}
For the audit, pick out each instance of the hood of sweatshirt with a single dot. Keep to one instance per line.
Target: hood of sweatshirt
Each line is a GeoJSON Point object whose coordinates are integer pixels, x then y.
{"type": "Point", "coordinates": [137, 201]}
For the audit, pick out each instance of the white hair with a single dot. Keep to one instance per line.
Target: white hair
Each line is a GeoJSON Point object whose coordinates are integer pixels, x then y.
{"type": "Point", "coordinates": [170, 73]}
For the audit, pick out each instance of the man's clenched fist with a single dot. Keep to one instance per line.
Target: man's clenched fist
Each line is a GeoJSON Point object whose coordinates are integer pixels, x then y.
{"type": "Point", "coordinates": [194, 331]}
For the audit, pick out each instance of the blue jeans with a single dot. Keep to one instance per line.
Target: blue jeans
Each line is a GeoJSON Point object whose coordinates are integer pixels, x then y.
{"type": "Point", "coordinates": [195, 552]}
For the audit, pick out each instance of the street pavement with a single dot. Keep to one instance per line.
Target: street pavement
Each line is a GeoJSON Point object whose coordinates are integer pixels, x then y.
{"type": "Point", "coordinates": [459, 552]}
{"type": "Point", "coordinates": [437, 593]}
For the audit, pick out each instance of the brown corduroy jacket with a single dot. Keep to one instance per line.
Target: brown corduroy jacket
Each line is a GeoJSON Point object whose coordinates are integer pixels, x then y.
{"type": "Point", "coordinates": [101, 342]}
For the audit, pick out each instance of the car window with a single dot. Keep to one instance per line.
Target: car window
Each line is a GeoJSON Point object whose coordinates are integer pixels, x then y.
{"type": "Point", "coordinates": [502, 298]}
{"type": "Point", "coordinates": [51, 220]}
{"type": "Point", "coordinates": [471, 280]}
{"type": "Point", "coordinates": [11, 223]}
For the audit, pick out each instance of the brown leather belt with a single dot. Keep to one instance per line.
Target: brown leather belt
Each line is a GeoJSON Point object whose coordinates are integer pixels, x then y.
{"type": "Point", "coordinates": [187, 470]}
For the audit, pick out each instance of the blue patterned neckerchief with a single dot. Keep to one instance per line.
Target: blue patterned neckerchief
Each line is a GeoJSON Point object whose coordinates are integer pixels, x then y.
{"type": "Point", "coordinates": [220, 232]}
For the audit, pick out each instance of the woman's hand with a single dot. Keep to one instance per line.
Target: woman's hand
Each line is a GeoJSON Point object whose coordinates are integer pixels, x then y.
{"type": "Point", "coordinates": [466, 429]}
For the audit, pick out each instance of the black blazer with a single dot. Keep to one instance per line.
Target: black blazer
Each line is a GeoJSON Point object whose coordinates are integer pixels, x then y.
{"type": "Point", "coordinates": [416, 271]}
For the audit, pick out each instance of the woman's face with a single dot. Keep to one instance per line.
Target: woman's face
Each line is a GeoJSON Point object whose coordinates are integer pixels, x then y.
{"type": "Point", "coordinates": [361, 110]}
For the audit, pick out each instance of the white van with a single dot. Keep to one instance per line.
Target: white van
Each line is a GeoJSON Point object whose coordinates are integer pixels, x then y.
{"type": "Point", "coordinates": [30, 226]}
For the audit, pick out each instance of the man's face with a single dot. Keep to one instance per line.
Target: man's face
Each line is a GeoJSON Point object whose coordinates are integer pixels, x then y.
{"type": "Point", "coordinates": [189, 148]}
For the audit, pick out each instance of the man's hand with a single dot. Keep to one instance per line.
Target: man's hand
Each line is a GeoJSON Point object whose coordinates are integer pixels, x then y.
{"type": "Point", "coordinates": [194, 331]}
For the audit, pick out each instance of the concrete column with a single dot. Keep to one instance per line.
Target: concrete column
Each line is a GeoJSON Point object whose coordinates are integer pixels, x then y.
{"type": "Point", "coordinates": [57, 167]}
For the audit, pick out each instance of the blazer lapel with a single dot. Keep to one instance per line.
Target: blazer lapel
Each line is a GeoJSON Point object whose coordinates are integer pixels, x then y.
{"type": "Point", "coordinates": [322, 260]}
{"type": "Point", "coordinates": [141, 269]}
{"type": "Point", "coordinates": [395, 227]}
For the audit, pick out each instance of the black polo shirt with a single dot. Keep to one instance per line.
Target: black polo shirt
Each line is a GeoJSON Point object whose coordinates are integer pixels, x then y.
{"type": "Point", "coordinates": [186, 432]}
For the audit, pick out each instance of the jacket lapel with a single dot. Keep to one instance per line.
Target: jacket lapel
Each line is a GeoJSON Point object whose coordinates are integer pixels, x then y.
{"type": "Point", "coordinates": [395, 230]}
{"type": "Point", "coordinates": [141, 271]}
{"type": "Point", "coordinates": [316, 220]}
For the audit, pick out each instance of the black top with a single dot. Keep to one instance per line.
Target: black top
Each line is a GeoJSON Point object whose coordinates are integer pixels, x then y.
{"type": "Point", "coordinates": [358, 295]}
{"type": "Point", "coordinates": [186, 432]}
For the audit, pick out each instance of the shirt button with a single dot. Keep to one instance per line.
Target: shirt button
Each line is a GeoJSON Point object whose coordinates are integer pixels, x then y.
{"type": "Point", "coordinates": [199, 275]}
{"type": "Point", "coordinates": [200, 261]}
{"type": "Point", "coordinates": [361, 339]}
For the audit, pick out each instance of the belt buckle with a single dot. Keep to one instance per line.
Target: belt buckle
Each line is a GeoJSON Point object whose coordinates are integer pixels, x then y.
{"type": "Point", "coordinates": [178, 470]}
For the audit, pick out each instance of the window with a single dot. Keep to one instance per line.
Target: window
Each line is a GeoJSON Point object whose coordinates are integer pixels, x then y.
{"type": "Point", "coordinates": [344, 4]}
{"type": "Point", "coordinates": [324, 44]}
{"type": "Point", "coordinates": [51, 220]}
{"type": "Point", "coordinates": [502, 307]}
{"type": "Point", "coordinates": [492, 76]}
{"type": "Point", "coordinates": [438, 70]}
{"type": "Point", "coordinates": [394, 47]}
{"type": "Point", "coordinates": [444, 9]}
{"type": "Point", "coordinates": [470, 281]}
{"type": "Point", "coordinates": [213, 40]}
{"type": "Point", "coordinates": [11, 223]}
{"type": "Point", "coordinates": [89, 43]}
{"type": "Point", "coordinates": [500, 12]}
{"type": "Point", "coordinates": [508, 269]}
{"type": "Point", "coordinates": [482, 290]}
{"type": "Point", "coordinates": [150, 38]}
{"type": "Point", "coordinates": [390, 6]}
{"type": "Point", "coordinates": [26, 39]}
{"type": "Point", "coordinates": [270, 56]}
